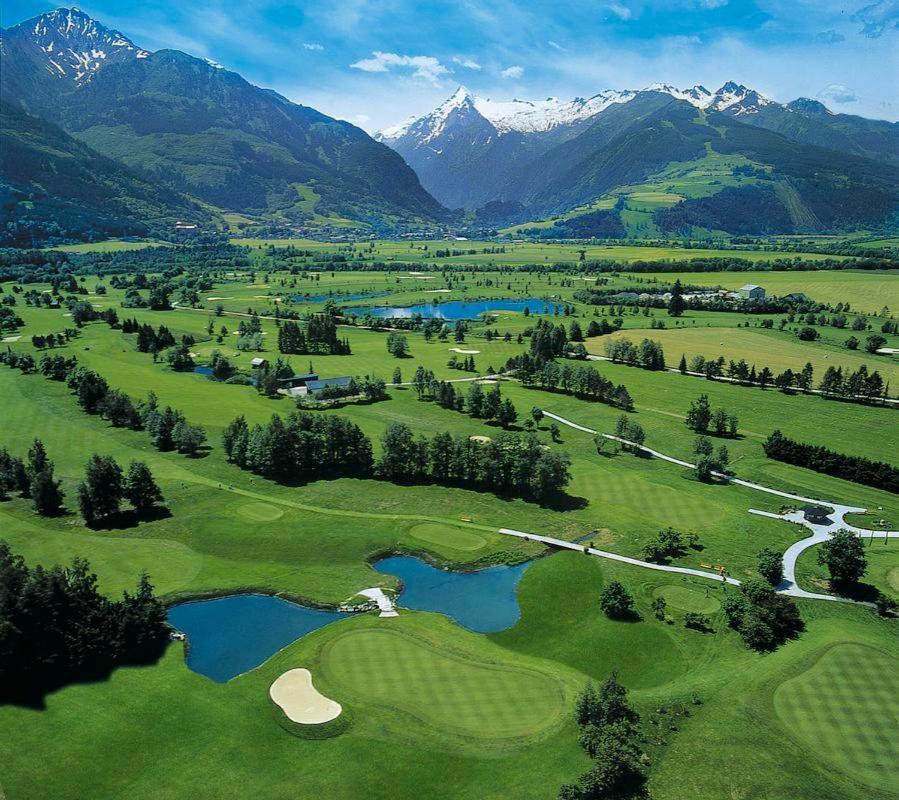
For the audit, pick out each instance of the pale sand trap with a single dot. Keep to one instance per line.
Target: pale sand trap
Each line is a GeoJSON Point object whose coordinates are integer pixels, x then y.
{"type": "Point", "coordinates": [464, 352]}
{"type": "Point", "coordinates": [11, 339]}
{"type": "Point", "coordinates": [192, 355]}
{"type": "Point", "coordinates": [437, 291]}
{"type": "Point", "coordinates": [480, 439]}
{"type": "Point", "coordinates": [67, 315]}
{"type": "Point", "coordinates": [888, 350]}
{"type": "Point", "coordinates": [210, 299]}
{"type": "Point", "coordinates": [301, 701]}
{"type": "Point", "coordinates": [416, 273]}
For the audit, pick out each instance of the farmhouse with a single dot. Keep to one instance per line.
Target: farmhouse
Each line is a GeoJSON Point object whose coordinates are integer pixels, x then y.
{"type": "Point", "coordinates": [751, 292]}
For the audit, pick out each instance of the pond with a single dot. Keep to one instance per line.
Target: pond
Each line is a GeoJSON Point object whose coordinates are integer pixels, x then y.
{"type": "Point", "coordinates": [458, 309]}
{"type": "Point", "coordinates": [229, 636]}
{"type": "Point", "coordinates": [232, 635]}
{"type": "Point", "coordinates": [203, 370]}
{"type": "Point", "coordinates": [484, 601]}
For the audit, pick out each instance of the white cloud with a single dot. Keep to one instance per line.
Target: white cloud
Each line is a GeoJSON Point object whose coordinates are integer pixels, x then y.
{"type": "Point", "coordinates": [712, 3]}
{"type": "Point", "coordinates": [313, 46]}
{"type": "Point", "coordinates": [426, 68]}
{"type": "Point", "coordinates": [513, 72]}
{"type": "Point", "coordinates": [838, 93]}
{"type": "Point", "coordinates": [554, 45]}
{"type": "Point", "coordinates": [360, 118]}
{"type": "Point", "coordinates": [620, 11]}
{"type": "Point", "coordinates": [468, 63]}
{"type": "Point", "coordinates": [878, 18]}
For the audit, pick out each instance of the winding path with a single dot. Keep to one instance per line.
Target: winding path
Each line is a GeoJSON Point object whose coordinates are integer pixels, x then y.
{"type": "Point", "coordinates": [789, 586]}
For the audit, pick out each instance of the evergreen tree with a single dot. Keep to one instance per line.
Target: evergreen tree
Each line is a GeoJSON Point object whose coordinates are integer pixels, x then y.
{"type": "Point", "coordinates": [100, 493]}
{"type": "Point", "coordinates": [140, 488]}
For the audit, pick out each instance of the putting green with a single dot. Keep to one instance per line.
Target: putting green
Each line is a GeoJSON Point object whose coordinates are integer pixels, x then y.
{"type": "Point", "coordinates": [686, 599]}
{"type": "Point", "coordinates": [469, 698]}
{"type": "Point", "coordinates": [845, 708]}
{"type": "Point", "coordinates": [447, 536]}
{"type": "Point", "coordinates": [260, 512]}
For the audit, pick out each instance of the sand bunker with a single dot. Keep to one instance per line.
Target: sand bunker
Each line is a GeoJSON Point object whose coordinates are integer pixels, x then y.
{"type": "Point", "coordinates": [301, 701]}
{"type": "Point", "coordinates": [464, 352]}
{"type": "Point", "coordinates": [11, 339]}
{"type": "Point", "coordinates": [480, 439]}
{"type": "Point", "coordinates": [210, 299]}
{"type": "Point", "coordinates": [437, 291]}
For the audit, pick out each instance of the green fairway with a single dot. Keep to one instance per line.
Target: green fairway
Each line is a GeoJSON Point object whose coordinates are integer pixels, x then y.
{"type": "Point", "coordinates": [845, 709]}
{"type": "Point", "coordinates": [481, 700]}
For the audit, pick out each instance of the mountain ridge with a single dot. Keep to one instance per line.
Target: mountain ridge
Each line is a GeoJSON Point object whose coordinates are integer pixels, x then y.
{"type": "Point", "coordinates": [197, 128]}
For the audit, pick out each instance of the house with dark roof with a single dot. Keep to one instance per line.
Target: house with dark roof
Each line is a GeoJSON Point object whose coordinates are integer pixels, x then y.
{"type": "Point", "coordinates": [318, 385]}
{"type": "Point", "coordinates": [817, 515]}
{"type": "Point", "coordinates": [297, 380]}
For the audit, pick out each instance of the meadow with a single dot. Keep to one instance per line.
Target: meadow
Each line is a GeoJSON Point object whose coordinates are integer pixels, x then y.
{"type": "Point", "coordinates": [439, 710]}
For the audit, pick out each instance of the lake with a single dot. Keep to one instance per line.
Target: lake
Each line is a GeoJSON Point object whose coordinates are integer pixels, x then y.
{"type": "Point", "coordinates": [457, 309]}
{"type": "Point", "coordinates": [232, 635]}
{"type": "Point", "coordinates": [484, 601]}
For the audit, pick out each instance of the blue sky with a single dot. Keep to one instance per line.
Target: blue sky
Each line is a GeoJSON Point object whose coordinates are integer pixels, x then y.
{"type": "Point", "coordinates": [376, 62]}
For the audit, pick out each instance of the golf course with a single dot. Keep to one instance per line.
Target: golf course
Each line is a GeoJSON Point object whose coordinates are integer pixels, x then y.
{"type": "Point", "coordinates": [407, 621]}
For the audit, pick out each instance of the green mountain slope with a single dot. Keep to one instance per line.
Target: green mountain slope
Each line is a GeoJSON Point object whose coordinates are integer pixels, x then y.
{"type": "Point", "coordinates": [197, 128]}
{"type": "Point", "coordinates": [55, 188]}
{"type": "Point", "coordinates": [670, 168]}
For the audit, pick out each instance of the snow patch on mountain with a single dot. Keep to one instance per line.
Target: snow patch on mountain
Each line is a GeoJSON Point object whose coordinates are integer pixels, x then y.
{"type": "Point", "coordinates": [76, 46]}
{"type": "Point", "coordinates": [539, 116]}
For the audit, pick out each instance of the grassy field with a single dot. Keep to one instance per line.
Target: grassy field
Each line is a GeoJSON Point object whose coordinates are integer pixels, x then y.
{"type": "Point", "coordinates": [444, 712]}
{"type": "Point", "coordinates": [867, 291]}
{"type": "Point", "coordinates": [778, 350]}
{"type": "Point", "coordinates": [515, 253]}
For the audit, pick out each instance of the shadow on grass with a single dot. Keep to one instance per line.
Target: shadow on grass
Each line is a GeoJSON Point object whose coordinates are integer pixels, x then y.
{"type": "Point", "coordinates": [130, 518]}
{"type": "Point", "coordinates": [33, 694]}
{"type": "Point", "coordinates": [862, 592]}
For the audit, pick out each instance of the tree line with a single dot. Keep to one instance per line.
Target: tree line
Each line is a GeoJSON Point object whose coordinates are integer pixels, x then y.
{"type": "Point", "coordinates": [583, 382]}
{"type": "Point", "coordinates": [858, 386]}
{"type": "Point", "coordinates": [320, 336]}
{"type": "Point", "coordinates": [839, 465]}
{"type": "Point", "coordinates": [56, 627]}
{"type": "Point", "coordinates": [305, 447]}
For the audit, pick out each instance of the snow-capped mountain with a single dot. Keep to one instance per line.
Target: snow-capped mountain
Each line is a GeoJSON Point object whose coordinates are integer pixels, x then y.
{"type": "Point", "coordinates": [506, 116]}
{"type": "Point", "coordinates": [541, 116]}
{"type": "Point", "coordinates": [75, 45]}
{"type": "Point", "coordinates": [472, 150]}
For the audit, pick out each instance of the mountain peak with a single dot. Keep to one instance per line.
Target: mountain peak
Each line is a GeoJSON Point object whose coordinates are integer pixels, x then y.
{"type": "Point", "coordinates": [74, 44]}
{"type": "Point", "coordinates": [805, 105]}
